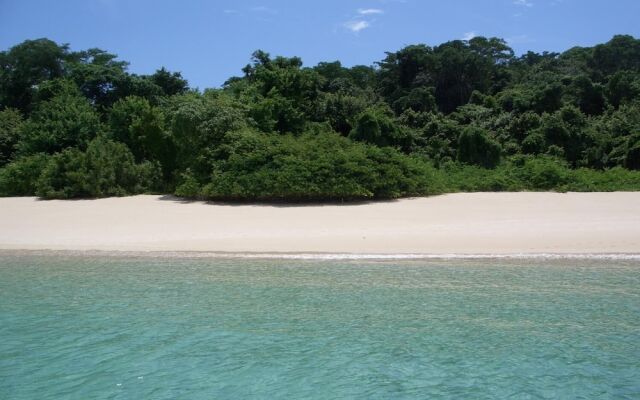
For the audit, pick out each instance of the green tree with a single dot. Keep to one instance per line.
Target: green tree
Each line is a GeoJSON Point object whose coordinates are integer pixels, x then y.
{"type": "Point", "coordinates": [622, 52]}
{"type": "Point", "coordinates": [98, 75]}
{"type": "Point", "coordinates": [171, 83]}
{"type": "Point", "coordinates": [10, 125]}
{"type": "Point", "coordinates": [283, 92]}
{"type": "Point", "coordinates": [623, 86]}
{"type": "Point", "coordinates": [376, 125]}
{"type": "Point", "coordinates": [475, 146]}
{"type": "Point", "coordinates": [26, 65]}
{"type": "Point", "coordinates": [134, 122]}
{"type": "Point", "coordinates": [566, 129]}
{"type": "Point", "coordinates": [58, 123]}
{"type": "Point", "coordinates": [340, 109]}
{"type": "Point", "coordinates": [198, 124]}
{"type": "Point", "coordinates": [589, 96]}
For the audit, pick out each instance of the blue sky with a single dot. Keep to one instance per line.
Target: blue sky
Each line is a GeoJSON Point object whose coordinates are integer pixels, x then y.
{"type": "Point", "coordinates": [209, 41]}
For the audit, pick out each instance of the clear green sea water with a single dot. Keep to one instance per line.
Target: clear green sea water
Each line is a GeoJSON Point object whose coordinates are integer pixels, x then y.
{"type": "Point", "coordinates": [75, 327]}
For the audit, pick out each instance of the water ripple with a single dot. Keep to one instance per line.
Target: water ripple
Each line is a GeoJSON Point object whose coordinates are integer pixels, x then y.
{"type": "Point", "coordinates": [88, 326]}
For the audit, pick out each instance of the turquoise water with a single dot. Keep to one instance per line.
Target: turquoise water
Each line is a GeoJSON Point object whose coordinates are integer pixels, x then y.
{"type": "Point", "coordinates": [74, 327]}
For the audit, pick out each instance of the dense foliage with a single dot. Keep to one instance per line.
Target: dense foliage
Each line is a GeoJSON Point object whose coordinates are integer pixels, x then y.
{"type": "Point", "coordinates": [461, 116]}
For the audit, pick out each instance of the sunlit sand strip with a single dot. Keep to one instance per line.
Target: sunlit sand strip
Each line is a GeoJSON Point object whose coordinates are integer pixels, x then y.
{"type": "Point", "coordinates": [462, 225]}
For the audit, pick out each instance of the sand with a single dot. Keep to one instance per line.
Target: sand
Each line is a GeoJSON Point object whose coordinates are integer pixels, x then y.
{"type": "Point", "coordinates": [462, 223]}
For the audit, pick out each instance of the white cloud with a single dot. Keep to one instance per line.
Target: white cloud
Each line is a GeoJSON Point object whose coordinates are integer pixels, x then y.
{"type": "Point", "coordinates": [469, 35]}
{"type": "Point", "coordinates": [356, 26]}
{"type": "Point", "coordinates": [230, 11]}
{"type": "Point", "coordinates": [362, 19]}
{"type": "Point", "coordinates": [369, 11]}
{"type": "Point", "coordinates": [524, 3]}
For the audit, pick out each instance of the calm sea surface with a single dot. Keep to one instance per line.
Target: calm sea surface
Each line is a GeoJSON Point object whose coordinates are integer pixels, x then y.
{"type": "Point", "coordinates": [79, 327]}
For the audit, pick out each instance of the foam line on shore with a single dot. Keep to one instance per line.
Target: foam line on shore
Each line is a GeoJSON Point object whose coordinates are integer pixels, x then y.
{"type": "Point", "coordinates": [324, 256]}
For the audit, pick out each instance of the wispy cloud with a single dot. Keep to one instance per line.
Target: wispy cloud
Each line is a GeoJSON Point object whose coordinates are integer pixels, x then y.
{"type": "Point", "coordinates": [524, 3]}
{"type": "Point", "coordinates": [356, 25]}
{"type": "Point", "coordinates": [469, 35]}
{"type": "Point", "coordinates": [362, 19]}
{"type": "Point", "coordinates": [263, 9]}
{"type": "Point", "coordinates": [369, 11]}
{"type": "Point", "coordinates": [230, 11]}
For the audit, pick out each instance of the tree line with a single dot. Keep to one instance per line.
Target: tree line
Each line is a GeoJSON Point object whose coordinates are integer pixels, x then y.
{"type": "Point", "coordinates": [465, 115]}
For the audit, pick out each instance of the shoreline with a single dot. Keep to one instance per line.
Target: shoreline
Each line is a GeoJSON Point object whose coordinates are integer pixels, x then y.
{"type": "Point", "coordinates": [304, 256]}
{"type": "Point", "coordinates": [462, 225]}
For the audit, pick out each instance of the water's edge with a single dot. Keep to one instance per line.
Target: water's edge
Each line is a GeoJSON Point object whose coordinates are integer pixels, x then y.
{"type": "Point", "coordinates": [322, 256]}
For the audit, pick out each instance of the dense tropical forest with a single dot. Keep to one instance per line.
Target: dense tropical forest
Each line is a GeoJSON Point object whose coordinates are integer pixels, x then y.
{"type": "Point", "coordinates": [460, 116]}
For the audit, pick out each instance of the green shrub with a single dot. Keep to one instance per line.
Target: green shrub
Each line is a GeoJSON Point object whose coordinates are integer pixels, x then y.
{"type": "Point", "coordinates": [19, 177]}
{"type": "Point", "coordinates": [534, 143]}
{"type": "Point", "coordinates": [107, 168]}
{"type": "Point", "coordinates": [614, 179]}
{"type": "Point", "coordinates": [313, 167]}
{"type": "Point", "coordinates": [57, 124]}
{"type": "Point", "coordinates": [471, 178]}
{"type": "Point", "coordinates": [376, 126]}
{"type": "Point", "coordinates": [10, 125]}
{"type": "Point", "coordinates": [189, 187]}
{"type": "Point", "coordinates": [64, 176]}
{"type": "Point", "coordinates": [632, 157]}
{"type": "Point", "coordinates": [543, 173]}
{"type": "Point", "coordinates": [476, 147]}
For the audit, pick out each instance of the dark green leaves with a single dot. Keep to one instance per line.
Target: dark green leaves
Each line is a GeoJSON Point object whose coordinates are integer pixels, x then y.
{"type": "Point", "coordinates": [462, 115]}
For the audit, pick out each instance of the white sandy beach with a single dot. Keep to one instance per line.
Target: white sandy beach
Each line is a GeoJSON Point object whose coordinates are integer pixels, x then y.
{"type": "Point", "coordinates": [465, 223]}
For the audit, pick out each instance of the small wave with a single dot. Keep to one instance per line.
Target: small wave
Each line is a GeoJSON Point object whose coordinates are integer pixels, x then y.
{"type": "Point", "coordinates": [420, 256]}
{"type": "Point", "coordinates": [331, 256]}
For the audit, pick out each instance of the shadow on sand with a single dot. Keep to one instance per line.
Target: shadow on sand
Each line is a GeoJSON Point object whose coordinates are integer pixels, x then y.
{"type": "Point", "coordinates": [274, 203]}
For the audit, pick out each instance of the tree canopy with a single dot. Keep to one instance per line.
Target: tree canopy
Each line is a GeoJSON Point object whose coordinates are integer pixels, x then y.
{"type": "Point", "coordinates": [461, 115]}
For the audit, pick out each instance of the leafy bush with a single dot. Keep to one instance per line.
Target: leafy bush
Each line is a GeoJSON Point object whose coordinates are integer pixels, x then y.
{"type": "Point", "coordinates": [134, 122]}
{"type": "Point", "coordinates": [534, 143]}
{"type": "Point", "coordinates": [376, 126]}
{"type": "Point", "coordinates": [632, 157]}
{"type": "Point", "coordinates": [59, 123]}
{"type": "Point", "coordinates": [64, 176]}
{"type": "Point", "coordinates": [189, 186]}
{"type": "Point", "coordinates": [609, 180]}
{"type": "Point", "coordinates": [476, 147]}
{"type": "Point", "coordinates": [312, 167]}
{"type": "Point", "coordinates": [10, 125]}
{"type": "Point", "coordinates": [534, 173]}
{"type": "Point", "coordinates": [19, 177]}
{"type": "Point", "coordinates": [543, 173]}
{"type": "Point", "coordinates": [106, 169]}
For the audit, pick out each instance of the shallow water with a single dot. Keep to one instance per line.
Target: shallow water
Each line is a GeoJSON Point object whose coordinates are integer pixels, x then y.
{"type": "Point", "coordinates": [82, 327]}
